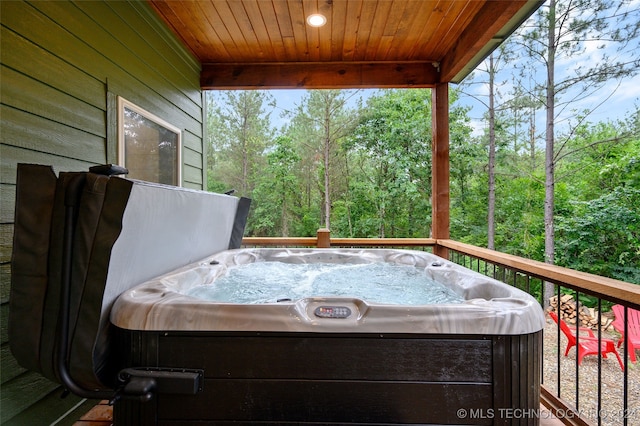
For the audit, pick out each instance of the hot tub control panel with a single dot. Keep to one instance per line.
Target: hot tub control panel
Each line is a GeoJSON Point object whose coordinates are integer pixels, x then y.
{"type": "Point", "coordinates": [332, 312]}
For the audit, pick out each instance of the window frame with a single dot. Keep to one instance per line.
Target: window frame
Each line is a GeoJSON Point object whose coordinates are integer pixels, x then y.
{"type": "Point", "coordinates": [122, 103]}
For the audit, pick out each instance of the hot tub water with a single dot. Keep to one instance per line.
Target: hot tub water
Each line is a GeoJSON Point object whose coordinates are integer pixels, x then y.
{"type": "Point", "coordinates": [268, 282]}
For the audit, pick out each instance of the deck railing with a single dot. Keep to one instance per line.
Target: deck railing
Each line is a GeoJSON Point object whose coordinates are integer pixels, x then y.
{"type": "Point", "coordinates": [596, 392]}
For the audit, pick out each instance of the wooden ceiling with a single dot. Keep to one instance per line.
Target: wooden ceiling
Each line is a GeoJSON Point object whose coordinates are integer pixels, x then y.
{"type": "Point", "coordinates": [365, 43]}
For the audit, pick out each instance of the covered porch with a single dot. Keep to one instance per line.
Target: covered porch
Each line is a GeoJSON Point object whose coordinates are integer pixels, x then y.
{"type": "Point", "coordinates": [383, 44]}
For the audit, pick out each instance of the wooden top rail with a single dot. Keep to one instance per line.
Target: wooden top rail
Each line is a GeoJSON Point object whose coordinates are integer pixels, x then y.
{"type": "Point", "coordinates": [607, 288]}
{"type": "Point", "coordinates": [312, 241]}
{"type": "Point", "coordinates": [280, 241]}
{"type": "Point", "coordinates": [381, 242]}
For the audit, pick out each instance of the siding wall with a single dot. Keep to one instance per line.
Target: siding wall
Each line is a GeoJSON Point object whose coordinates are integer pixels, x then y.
{"type": "Point", "coordinates": [62, 66]}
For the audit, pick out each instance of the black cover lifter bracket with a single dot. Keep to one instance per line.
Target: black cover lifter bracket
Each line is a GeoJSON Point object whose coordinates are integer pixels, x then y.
{"type": "Point", "coordinates": [142, 383]}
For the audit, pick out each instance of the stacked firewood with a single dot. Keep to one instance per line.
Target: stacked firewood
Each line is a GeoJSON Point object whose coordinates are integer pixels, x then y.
{"type": "Point", "coordinates": [572, 311]}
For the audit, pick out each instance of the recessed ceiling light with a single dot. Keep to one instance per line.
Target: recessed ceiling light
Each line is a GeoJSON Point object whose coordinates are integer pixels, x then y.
{"type": "Point", "coordinates": [316, 20]}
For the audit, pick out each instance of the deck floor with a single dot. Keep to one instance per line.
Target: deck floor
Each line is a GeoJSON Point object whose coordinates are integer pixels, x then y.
{"type": "Point", "coordinates": [102, 415]}
{"type": "Point", "coordinates": [99, 415]}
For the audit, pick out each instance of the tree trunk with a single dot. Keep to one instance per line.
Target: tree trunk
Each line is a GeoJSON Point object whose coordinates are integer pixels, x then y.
{"type": "Point", "coordinates": [532, 138]}
{"type": "Point", "coordinates": [549, 186]}
{"type": "Point", "coordinates": [346, 166]}
{"type": "Point", "coordinates": [327, 152]}
{"type": "Point", "coordinates": [285, 224]}
{"type": "Point", "coordinates": [245, 155]}
{"type": "Point", "coordinates": [491, 227]}
{"type": "Point", "coordinates": [245, 170]}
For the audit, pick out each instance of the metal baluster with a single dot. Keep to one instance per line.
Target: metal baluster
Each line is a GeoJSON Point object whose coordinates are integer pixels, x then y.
{"type": "Point", "coordinates": [625, 386]}
{"type": "Point", "coordinates": [599, 404]}
{"type": "Point", "coordinates": [577, 346]}
{"type": "Point", "coordinates": [558, 342]}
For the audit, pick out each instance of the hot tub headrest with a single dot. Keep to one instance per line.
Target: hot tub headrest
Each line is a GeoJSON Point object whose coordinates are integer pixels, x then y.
{"type": "Point", "coordinates": [124, 232]}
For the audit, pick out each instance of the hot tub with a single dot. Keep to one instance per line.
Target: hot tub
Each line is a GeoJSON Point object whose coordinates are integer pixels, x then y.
{"type": "Point", "coordinates": [336, 359]}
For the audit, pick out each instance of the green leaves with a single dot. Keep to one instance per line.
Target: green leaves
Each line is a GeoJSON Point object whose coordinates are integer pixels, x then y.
{"type": "Point", "coordinates": [604, 236]}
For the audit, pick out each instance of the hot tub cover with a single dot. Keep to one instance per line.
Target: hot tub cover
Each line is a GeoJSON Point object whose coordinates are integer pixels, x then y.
{"type": "Point", "coordinates": [123, 232]}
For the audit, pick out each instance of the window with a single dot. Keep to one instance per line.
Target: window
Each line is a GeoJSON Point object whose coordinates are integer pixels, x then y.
{"type": "Point", "coordinates": [149, 147]}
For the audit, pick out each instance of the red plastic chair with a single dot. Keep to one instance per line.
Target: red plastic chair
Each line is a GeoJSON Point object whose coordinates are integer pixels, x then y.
{"type": "Point", "coordinates": [587, 345]}
{"type": "Point", "coordinates": [633, 329]}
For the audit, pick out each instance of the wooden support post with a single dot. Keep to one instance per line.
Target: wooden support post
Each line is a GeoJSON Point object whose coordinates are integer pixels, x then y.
{"type": "Point", "coordinates": [440, 166]}
{"type": "Point", "coordinates": [324, 238]}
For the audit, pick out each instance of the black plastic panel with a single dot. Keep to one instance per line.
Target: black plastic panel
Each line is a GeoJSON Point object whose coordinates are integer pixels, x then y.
{"type": "Point", "coordinates": [281, 378]}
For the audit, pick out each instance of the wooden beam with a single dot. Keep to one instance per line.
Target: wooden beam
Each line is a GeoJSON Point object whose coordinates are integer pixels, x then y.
{"type": "Point", "coordinates": [440, 166]}
{"type": "Point", "coordinates": [318, 75]}
{"type": "Point", "coordinates": [490, 27]}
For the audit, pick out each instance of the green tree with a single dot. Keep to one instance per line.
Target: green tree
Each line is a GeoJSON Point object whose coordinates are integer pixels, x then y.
{"type": "Point", "coordinates": [240, 133]}
{"type": "Point", "coordinates": [603, 237]}
{"type": "Point", "coordinates": [390, 150]}
{"type": "Point", "coordinates": [497, 60]}
{"type": "Point", "coordinates": [318, 127]}
{"type": "Point", "coordinates": [276, 191]}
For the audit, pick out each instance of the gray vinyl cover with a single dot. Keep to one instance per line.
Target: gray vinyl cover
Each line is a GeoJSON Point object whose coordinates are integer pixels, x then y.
{"type": "Point", "coordinates": [125, 233]}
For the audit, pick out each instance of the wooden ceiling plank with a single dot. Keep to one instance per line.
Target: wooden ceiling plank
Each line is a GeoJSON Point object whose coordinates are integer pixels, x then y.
{"type": "Point", "coordinates": [351, 29]}
{"type": "Point", "coordinates": [234, 35]}
{"type": "Point", "coordinates": [363, 37]}
{"type": "Point", "coordinates": [283, 17]}
{"type": "Point", "coordinates": [313, 34]}
{"type": "Point", "coordinates": [435, 44]}
{"type": "Point", "coordinates": [326, 32]}
{"type": "Point", "coordinates": [377, 28]}
{"type": "Point", "coordinates": [296, 12]}
{"type": "Point", "coordinates": [418, 30]}
{"type": "Point", "coordinates": [384, 46]}
{"type": "Point", "coordinates": [395, 16]}
{"type": "Point", "coordinates": [338, 24]}
{"type": "Point", "coordinates": [402, 42]}
{"type": "Point", "coordinates": [390, 30]}
{"type": "Point", "coordinates": [317, 75]}
{"type": "Point", "coordinates": [221, 44]}
{"type": "Point", "coordinates": [202, 40]}
{"type": "Point", "coordinates": [436, 15]}
{"type": "Point", "coordinates": [259, 27]}
{"type": "Point", "coordinates": [176, 24]}
{"type": "Point", "coordinates": [272, 27]}
{"type": "Point", "coordinates": [245, 38]}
